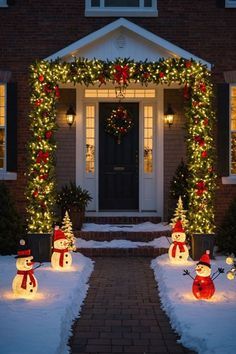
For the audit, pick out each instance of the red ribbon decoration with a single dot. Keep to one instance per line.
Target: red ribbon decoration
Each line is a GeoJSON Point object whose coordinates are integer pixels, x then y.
{"type": "Point", "coordinates": [62, 252]}
{"type": "Point", "coordinates": [25, 274]}
{"type": "Point", "coordinates": [177, 244]}
{"type": "Point", "coordinates": [121, 74]}
{"type": "Point", "coordinates": [42, 156]}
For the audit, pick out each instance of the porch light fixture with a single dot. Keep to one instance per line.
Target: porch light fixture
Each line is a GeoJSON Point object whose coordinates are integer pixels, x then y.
{"type": "Point", "coordinates": [70, 116]}
{"type": "Point", "coordinates": [120, 91]}
{"type": "Point", "coordinates": [169, 115]}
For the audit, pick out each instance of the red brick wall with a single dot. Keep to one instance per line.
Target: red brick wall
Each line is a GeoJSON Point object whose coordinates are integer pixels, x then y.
{"type": "Point", "coordinates": [174, 145]}
{"type": "Point", "coordinates": [66, 139]}
{"type": "Point", "coordinates": [33, 29]}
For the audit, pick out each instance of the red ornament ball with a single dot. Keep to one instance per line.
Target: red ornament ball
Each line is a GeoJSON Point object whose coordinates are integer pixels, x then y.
{"type": "Point", "coordinates": [48, 134]}
{"type": "Point", "coordinates": [41, 78]}
{"type": "Point", "coordinates": [35, 194]}
{"type": "Point", "coordinates": [204, 154]}
{"type": "Point", "coordinates": [161, 74]}
{"type": "Point", "coordinates": [188, 64]}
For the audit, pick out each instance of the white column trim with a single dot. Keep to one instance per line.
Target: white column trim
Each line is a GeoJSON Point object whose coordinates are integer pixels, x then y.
{"type": "Point", "coordinates": [160, 151]}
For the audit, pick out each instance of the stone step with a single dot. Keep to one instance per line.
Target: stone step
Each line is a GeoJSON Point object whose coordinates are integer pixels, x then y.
{"type": "Point", "coordinates": [143, 236]}
{"type": "Point", "coordinates": [121, 219]}
{"type": "Point", "coordinates": [145, 251]}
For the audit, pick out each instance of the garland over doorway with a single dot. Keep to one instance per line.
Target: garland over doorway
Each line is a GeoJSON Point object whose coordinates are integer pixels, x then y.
{"type": "Point", "coordinates": [45, 77]}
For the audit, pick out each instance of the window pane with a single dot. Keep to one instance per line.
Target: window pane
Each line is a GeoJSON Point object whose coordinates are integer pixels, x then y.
{"type": "Point", "coordinates": [147, 3]}
{"type": "Point", "coordinates": [148, 139]}
{"type": "Point", "coordinates": [90, 139]}
{"type": "Point", "coordinates": [121, 3]}
{"type": "Point", "coordinates": [2, 147]}
{"type": "Point", "coordinates": [95, 3]}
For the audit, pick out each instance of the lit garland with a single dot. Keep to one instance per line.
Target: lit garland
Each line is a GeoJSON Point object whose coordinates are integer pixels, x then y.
{"type": "Point", "coordinates": [45, 77]}
{"type": "Point", "coordinates": [119, 123]}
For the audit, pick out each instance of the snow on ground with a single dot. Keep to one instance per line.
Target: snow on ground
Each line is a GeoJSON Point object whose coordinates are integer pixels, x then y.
{"type": "Point", "coordinates": [41, 325]}
{"type": "Point", "coordinates": [206, 326]}
{"type": "Point", "coordinates": [160, 242]}
{"type": "Point", "coordinates": [146, 226]}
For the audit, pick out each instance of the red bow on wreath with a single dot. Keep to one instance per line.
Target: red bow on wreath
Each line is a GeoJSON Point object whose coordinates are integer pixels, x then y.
{"type": "Point", "coordinates": [121, 74]}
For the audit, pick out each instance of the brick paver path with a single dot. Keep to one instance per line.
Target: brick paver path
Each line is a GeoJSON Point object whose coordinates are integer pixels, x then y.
{"type": "Point", "coordinates": [121, 313]}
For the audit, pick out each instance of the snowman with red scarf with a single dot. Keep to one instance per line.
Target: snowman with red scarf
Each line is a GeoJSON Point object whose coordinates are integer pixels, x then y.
{"type": "Point", "coordinates": [24, 284]}
{"type": "Point", "coordinates": [178, 250]}
{"type": "Point", "coordinates": [61, 258]}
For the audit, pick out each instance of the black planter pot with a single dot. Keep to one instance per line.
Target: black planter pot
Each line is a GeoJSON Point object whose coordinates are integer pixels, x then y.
{"type": "Point", "coordinates": [201, 243]}
{"type": "Point", "coordinates": [41, 246]}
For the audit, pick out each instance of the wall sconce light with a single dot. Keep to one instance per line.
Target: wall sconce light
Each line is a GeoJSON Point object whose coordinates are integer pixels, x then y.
{"type": "Point", "coordinates": [169, 115]}
{"type": "Point", "coordinates": [70, 116]}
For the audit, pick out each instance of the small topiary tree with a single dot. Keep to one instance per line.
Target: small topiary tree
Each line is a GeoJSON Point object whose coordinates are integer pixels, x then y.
{"type": "Point", "coordinates": [67, 228]}
{"type": "Point", "coordinates": [179, 184]}
{"type": "Point", "coordinates": [226, 235]}
{"type": "Point", "coordinates": [11, 227]}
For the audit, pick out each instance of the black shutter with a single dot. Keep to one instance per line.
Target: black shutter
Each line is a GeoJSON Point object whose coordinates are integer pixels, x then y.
{"type": "Point", "coordinates": [223, 129]}
{"type": "Point", "coordinates": [11, 127]}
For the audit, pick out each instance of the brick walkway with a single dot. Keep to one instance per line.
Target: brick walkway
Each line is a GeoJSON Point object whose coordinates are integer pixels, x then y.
{"type": "Point", "coordinates": [122, 313]}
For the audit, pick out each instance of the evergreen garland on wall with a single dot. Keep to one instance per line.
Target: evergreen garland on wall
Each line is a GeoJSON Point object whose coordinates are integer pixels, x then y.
{"type": "Point", "coordinates": [45, 77]}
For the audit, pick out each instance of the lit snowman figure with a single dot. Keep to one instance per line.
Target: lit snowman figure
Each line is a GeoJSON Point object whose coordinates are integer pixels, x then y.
{"type": "Point", "coordinates": [178, 250]}
{"type": "Point", "coordinates": [61, 259]}
{"type": "Point", "coordinates": [24, 284]}
{"type": "Point", "coordinates": [203, 285]}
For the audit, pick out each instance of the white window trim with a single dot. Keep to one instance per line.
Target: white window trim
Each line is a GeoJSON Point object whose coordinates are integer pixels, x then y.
{"type": "Point", "coordinates": [4, 174]}
{"type": "Point", "coordinates": [8, 176]}
{"type": "Point", "coordinates": [102, 11]}
{"type": "Point", "coordinates": [3, 3]}
{"type": "Point", "coordinates": [3, 170]}
{"type": "Point", "coordinates": [231, 179]}
{"type": "Point", "coordinates": [230, 3]}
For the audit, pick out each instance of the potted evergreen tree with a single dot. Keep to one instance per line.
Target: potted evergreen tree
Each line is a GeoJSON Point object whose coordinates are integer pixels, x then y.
{"type": "Point", "coordinates": [74, 199]}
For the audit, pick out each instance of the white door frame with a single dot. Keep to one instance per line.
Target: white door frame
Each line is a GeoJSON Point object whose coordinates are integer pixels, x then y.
{"type": "Point", "coordinates": [158, 146]}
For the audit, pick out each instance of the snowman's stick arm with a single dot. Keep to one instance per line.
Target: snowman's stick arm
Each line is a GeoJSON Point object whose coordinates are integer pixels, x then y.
{"type": "Point", "coordinates": [186, 272]}
{"type": "Point", "coordinates": [40, 265]}
{"type": "Point", "coordinates": [217, 273]}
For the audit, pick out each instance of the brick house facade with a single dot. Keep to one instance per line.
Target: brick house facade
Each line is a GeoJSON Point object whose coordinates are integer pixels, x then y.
{"type": "Point", "coordinates": [32, 30]}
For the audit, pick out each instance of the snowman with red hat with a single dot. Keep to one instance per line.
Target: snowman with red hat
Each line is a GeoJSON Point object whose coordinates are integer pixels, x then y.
{"type": "Point", "coordinates": [24, 284]}
{"type": "Point", "coordinates": [61, 258]}
{"type": "Point", "coordinates": [178, 250]}
{"type": "Point", "coordinates": [203, 285]}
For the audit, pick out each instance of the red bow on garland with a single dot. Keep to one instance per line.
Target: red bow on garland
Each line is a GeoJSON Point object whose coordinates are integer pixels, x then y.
{"type": "Point", "coordinates": [201, 188]}
{"type": "Point", "coordinates": [25, 274]}
{"type": "Point", "coordinates": [121, 74]}
{"type": "Point", "coordinates": [42, 157]}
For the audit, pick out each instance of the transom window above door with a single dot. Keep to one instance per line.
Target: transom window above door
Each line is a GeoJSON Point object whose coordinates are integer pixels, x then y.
{"type": "Point", "coordinates": [131, 8]}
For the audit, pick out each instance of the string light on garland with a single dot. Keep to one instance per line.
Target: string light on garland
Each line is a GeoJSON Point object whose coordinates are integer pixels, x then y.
{"type": "Point", "coordinates": [193, 76]}
{"type": "Point", "coordinates": [119, 123]}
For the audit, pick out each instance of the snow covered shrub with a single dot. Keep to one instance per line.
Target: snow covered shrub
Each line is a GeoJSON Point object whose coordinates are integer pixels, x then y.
{"type": "Point", "coordinates": [226, 235]}
{"type": "Point", "coordinates": [10, 224]}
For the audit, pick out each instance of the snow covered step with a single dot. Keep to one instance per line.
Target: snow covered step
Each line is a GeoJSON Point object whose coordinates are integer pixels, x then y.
{"type": "Point", "coordinates": [116, 247]}
{"type": "Point", "coordinates": [137, 232]}
{"type": "Point", "coordinates": [122, 219]}
{"type": "Point", "coordinates": [120, 252]}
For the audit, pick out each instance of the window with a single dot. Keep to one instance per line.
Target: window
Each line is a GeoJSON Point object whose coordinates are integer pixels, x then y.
{"type": "Point", "coordinates": [3, 3]}
{"type": "Point", "coordinates": [148, 139]}
{"type": "Point", "coordinates": [90, 140]}
{"type": "Point", "coordinates": [133, 8]}
{"type": "Point", "coordinates": [230, 3]}
{"type": "Point", "coordinates": [2, 126]}
{"type": "Point", "coordinates": [233, 130]}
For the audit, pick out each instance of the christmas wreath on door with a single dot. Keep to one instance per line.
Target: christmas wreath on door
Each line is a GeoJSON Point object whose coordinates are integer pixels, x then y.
{"type": "Point", "coordinates": [119, 123]}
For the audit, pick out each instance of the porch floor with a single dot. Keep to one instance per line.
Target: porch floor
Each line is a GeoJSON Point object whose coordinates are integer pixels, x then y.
{"type": "Point", "coordinates": [122, 312]}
